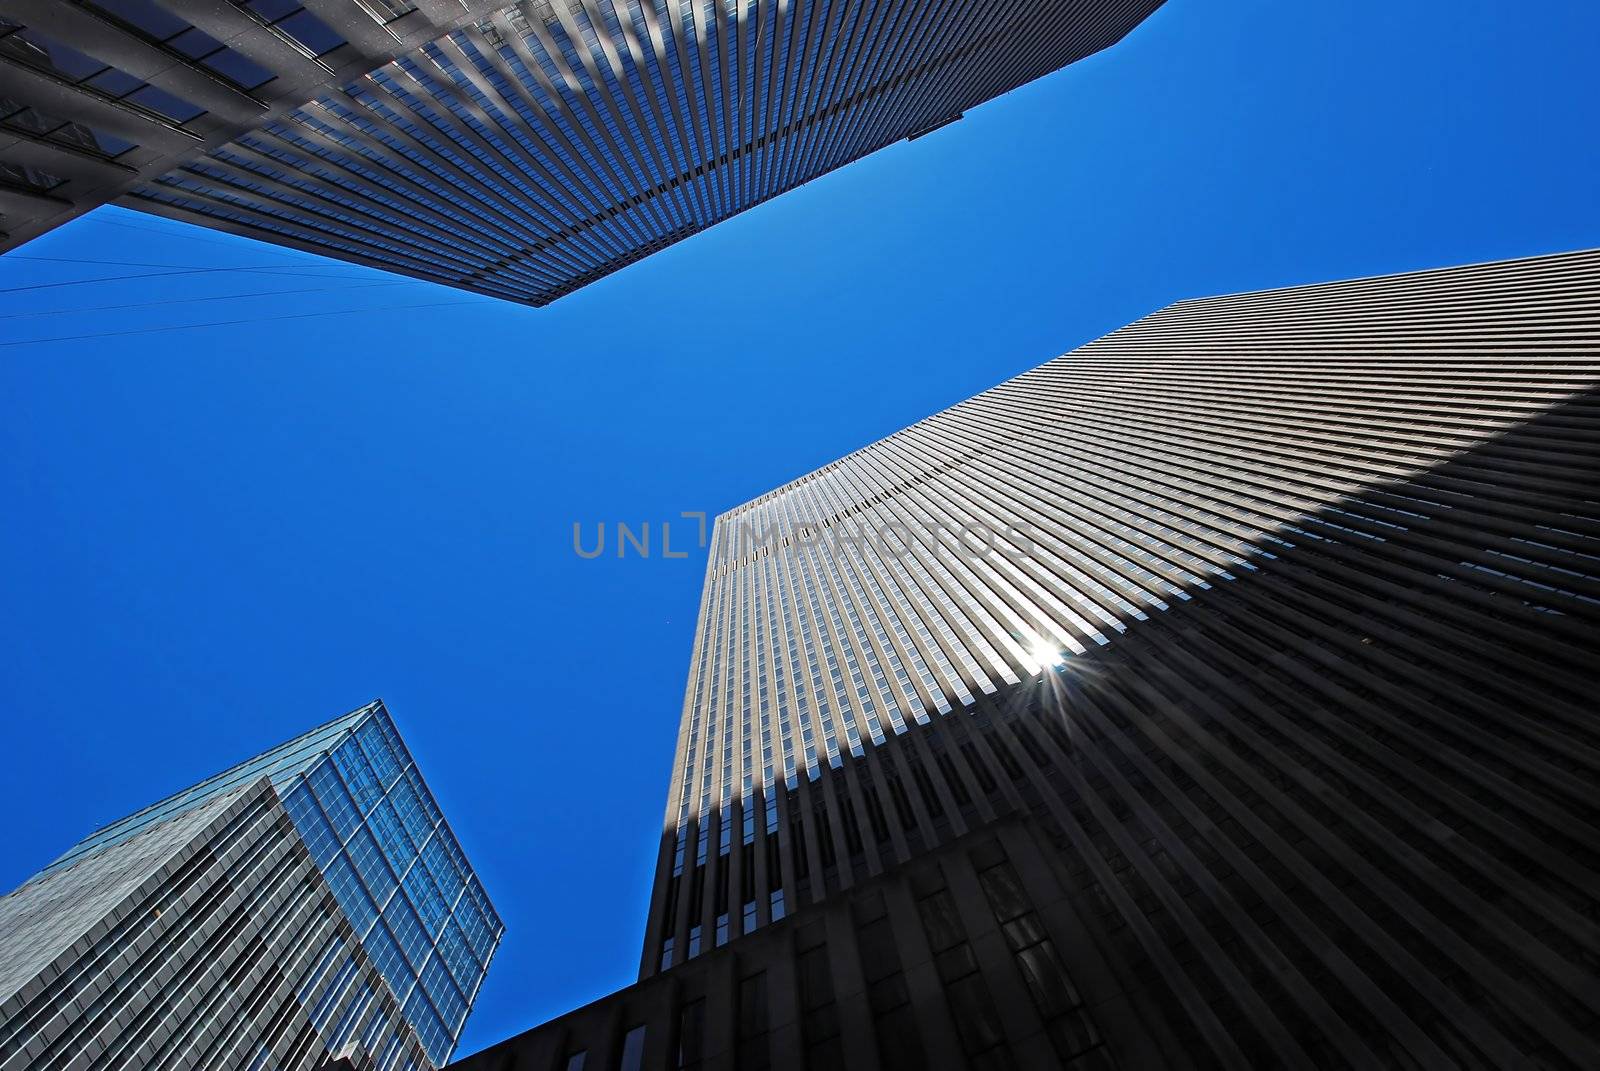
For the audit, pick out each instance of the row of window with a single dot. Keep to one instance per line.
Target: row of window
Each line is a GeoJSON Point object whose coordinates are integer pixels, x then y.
{"type": "Point", "coordinates": [368, 820]}
{"type": "Point", "coordinates": [155, 23]}
{"type": "Point", "coordinates": [33, 48]}
{"type": "Point", "coordinates": [601, 136]}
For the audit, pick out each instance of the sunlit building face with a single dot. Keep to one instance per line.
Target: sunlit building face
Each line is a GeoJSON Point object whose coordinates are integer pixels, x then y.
{"type": "Point", "coordinates": [1250, 613]}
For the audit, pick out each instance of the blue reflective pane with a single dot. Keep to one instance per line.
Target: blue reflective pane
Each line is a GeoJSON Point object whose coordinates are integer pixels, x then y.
{"type": "Point", "coordinates": [402, 921]}
{"type": "Point", "coordinates": [379, 751]}
{"type": "Point", "coordinates": [425, 897]}
{"type": "Point", "coordinates": [358, 775]}
{"type": "Point", "coordinates": [438, 862]}
{"type": "Point", "coordinates": [408, 805]}
{"type": "Point", "coordinates": [314, 830]}
{"type": "Point", "coordinates": [419, 1011]}
{"type": "Point", "coordinates": [447, 999]}
{"type": "Point", "coordinates": [458, 958]}
{"type": "Point", "coordinates": [397, 847]}
{"type": "Point", "coordinates": [335, 801]}
{"type": "Point", "coordinates": [429, 807]}
{"type": "Point", "coordinates": [386, 954]}
{"type": "Point", "coordinates": [369, 863]}
{"type": "Point", "coordinates": [351, 894]}
{"type": "Point", "coordinates": [479, 937]}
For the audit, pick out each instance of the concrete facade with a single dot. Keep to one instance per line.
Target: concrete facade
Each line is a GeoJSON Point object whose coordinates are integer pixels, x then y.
{"type": "Point", "coordinates": [1281, 650]}
{"type": "Point", "coordinates": [97, 96]}
{"type": "Point", "coordinates": [516, 150]}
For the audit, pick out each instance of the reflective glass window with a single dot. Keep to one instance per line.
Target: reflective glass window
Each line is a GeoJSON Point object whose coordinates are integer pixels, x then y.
{"type": "Point", "coordinates": [402, 922]}
{"type": "Point", "coordinates": [369, 863]}
{"type": "Point", "coordinates": [335, 801]}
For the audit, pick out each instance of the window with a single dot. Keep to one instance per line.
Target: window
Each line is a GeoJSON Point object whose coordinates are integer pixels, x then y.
{"type": "Point", "coordinates": [633, 1050]}
{"type": "Point", "coordinates": [1070, 1029]}
{"type": "Point", "coordinates": [33, 123]}
{"type": "Point", "coordinates": [314, 830]}
{"type": "Point", "coordinates": [576, 1060]}
{"type": "Point", "coordinates": [386, 11]}
{"type": "Point", "coordinates": [158, 100]}
{"type": "Point", "coordinates": [899, 1042]}
{"type": "Point", "coordinates": [754, 1052]}
{"type": "Point", "coordinates": [237, 68]}
{"type": "Point", "coordinates": [174, 34]}
{"type": "Point", "coordinates": [289, 17]}
{"type": "Point", "coordinates": [27, 46]}
{"type": "Point", "coordinates": [819, 1019]}
{"type": "Point", "coordinates": [263, 1054]}
{"type": "Point", "coordinates": [335, 801]}
{"type": "Point", "coordinates": [691, 1035]}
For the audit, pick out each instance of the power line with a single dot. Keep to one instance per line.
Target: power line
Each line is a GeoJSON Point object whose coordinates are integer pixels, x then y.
{"type": "Point", "coordinates": [187, 237]}
{"type": "Point", "coordinates": [146, 264]}
{"type": "Point", "coordinates": [183, 301]}
{"type": "Point", "coordinates": [235, 323]}
{"type": "Point", "coordinates": [274, 269]}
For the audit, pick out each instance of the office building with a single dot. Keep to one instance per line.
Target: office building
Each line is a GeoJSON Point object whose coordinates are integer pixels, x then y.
{"type": "Point", "coordinates": [100, 96]}
{"type": "Point", "coordinates": [522, 152]}
{"type": "Point", "coordinates": [308, 905]}
{"type": "Point", "coordinates": [1220, 694]}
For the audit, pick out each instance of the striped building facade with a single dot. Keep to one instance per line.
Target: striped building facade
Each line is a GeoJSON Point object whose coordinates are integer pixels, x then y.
{"type": "Point", "coordinates": [305, 905]}
{"type": "Point", "coordinates": [209, 954]}
{"type": "Point", "coordinates": [98, 96]}
{"type": "Point", "coordinates": [1274, 616]}
{"type": "Point", "coordinates": [552, 142]}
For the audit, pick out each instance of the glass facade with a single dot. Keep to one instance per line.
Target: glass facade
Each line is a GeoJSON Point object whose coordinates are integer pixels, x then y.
{"type": "Point", "coordinates": [280, 763]}
{"type": "Point", "coordinates": [131, 956]}
{"type": "Point", "coordinates": [378, 837]}
{"type": "Point", "coordinates": [359, 804]}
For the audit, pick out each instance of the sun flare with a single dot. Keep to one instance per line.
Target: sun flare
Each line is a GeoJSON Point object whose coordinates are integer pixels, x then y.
{"type": "Point", "coordinates": [1042, 654]}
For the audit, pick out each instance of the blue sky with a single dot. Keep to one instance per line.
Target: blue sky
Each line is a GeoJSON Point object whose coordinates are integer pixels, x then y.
{"type": "Point", "coordinates": [215, 538]}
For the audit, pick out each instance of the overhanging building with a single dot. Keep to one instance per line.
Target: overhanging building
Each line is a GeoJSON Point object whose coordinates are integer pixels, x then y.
{"type": "Point", "coordinates": [99, 96]}
{"type": "Point", "coordinates": [1220, 694]}
{"type": "Point", "coordinates": [307, 905]}
{"type": "Point", "coordinates": [533, 148]}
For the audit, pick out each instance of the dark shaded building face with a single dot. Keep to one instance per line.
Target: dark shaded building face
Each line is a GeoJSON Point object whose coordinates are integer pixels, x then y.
{"type": "Point", "coordinates": [307, 904]}
{"type": "Point", "coordinates": [97, 96]}
{"type": "Point", "coordinates": [554, 141]}
{"type": "Point", "coordinates": [1218, 695]}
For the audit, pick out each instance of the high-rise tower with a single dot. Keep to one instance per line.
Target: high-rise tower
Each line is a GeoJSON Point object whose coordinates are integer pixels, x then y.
{"type": "Point", "coordinates": [308, 904]}
{"type": "Point", "coordinates": [1220, 694]}
{"type": "Point", "coordinates": [533, 148]}
{"type": "Point", "coordinates": [98, 96]}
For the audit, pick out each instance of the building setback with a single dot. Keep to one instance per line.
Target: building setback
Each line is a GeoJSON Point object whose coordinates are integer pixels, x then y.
{"type": "Point", "coordinates": [98, 96]}
{"type": "Point", "coordinates": [1220, 694]}
{"type": "Point", "coordinates": [306, 905]}
{"type": "Point", "coordinates": [551, 142]}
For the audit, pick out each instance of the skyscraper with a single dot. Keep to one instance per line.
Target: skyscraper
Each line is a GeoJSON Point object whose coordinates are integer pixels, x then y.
{"type": "Point", "coordinates": [533, 149]}
{"type": "Point", "coordinates": [1220, 694]}
{"type": "Point", "coordinates": [97, 96]}
{"type": "Point", "coordinates": [307, 904]}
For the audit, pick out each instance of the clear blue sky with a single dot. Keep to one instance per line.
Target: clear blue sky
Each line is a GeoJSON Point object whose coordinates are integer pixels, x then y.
{"type": "Point", "coordinates": [215, 538]}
